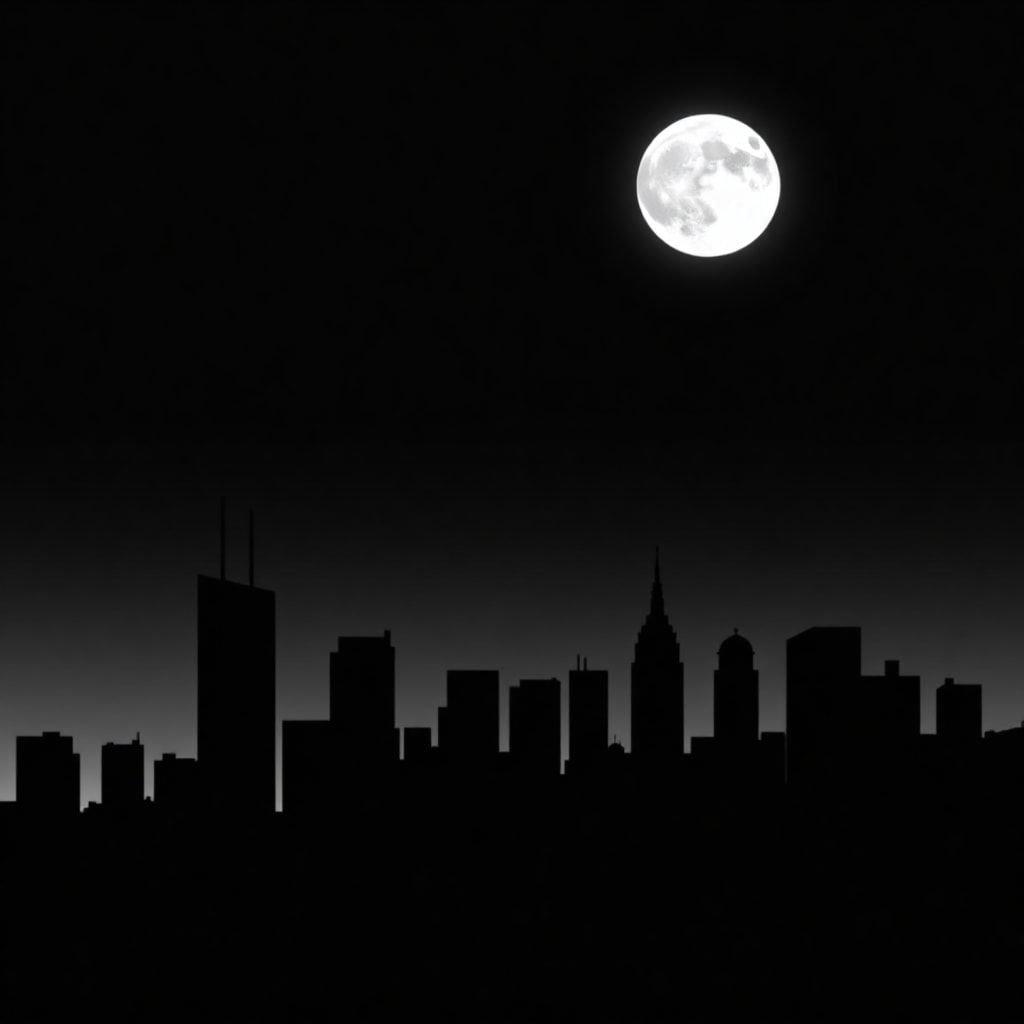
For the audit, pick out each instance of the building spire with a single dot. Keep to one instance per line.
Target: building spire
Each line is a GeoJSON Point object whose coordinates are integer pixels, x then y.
{"type": "Point", "coordinates": [657, 596]}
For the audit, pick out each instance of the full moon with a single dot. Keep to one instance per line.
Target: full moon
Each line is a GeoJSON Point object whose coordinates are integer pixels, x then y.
{"type": "Point", "coordinates": [708, 185]}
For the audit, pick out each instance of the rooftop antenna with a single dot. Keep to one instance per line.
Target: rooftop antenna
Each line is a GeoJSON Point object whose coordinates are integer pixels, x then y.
{"type": "Point", "coordinates": [252, 550]}
{"type": "Point", "coordinates": [223, 537]}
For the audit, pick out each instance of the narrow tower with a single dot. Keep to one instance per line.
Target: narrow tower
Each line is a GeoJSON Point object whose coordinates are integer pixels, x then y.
{"type": "Point", "coordinates": [237, 723]}
{"type": "Point", "coordinates": [656, 685]}
{"type": "Point", "coordinates": [736, 685]}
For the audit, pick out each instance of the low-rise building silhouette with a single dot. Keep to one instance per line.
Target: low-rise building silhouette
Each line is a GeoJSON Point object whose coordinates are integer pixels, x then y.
{"type": "Point", "coordinates": [1002, 762]}
{"type": "Point", "coordinates": [123, 775]}
{"type": "Point", "coordinates": [47, 775]}
{"type": "Point", "coordinates": [958, 712]}
{"type": "Point", "coordinates": [176, 783]}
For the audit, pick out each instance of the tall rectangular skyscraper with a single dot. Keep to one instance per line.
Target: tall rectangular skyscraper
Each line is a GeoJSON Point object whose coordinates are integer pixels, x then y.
{"type": "Point", "coordinates": [588, 717]}
{"type": "Point", "coordinates": [467, 730]}
{"type": "Point", "coordinates": [237, 722]}
{"type": "Point", "coordinates": [362, 698]}
{"type": "Point", "coordinates": [535, 726]}
{"type": "Point", "coordinates": [887, 719]}
{"type": "Point", "coordinates": [822, 670]}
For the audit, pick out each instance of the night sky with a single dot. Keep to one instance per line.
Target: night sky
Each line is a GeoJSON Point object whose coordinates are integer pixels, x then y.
{"type": "Point", "coordinates": [378, 272]}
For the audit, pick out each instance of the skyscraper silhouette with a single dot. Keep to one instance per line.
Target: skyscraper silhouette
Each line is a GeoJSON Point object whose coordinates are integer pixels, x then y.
{"type": "Point", "coordinates": [887, 717]}
{"type": "Point", "coordinates": [535, 726]}
{"type": "Point", "coordinates": [958, 712]}
{"type": "Point", "coordinates": [822, 668]}
{"type": "Point", "coordinates": [362, 698]}
{"type": "Point", "coordinates": [47, 775]}
{"type": "Point", "coordinates": [656, 685]}
{"type": "Point", "coordinates": [122, 775]}
{"type": "Point", "coordinates": [736, 692]}
{"type": "Point", "coordinates": [467, 726]}
{"type": "Point", "coordinates": [237, 724]}
{"type": "Point", "coordinates": [732, 760]}
{"type": "Point", "coordinates": [892, 704]}
{"type": "Point", "coordinates": [588, 718]}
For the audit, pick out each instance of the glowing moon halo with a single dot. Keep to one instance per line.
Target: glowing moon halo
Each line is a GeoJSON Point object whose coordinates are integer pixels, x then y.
{"type": "Point", "coordinates": [708, 185]}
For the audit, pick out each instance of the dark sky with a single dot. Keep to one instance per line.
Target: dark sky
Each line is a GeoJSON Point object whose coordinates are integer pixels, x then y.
{"type": "Point", "coordinates": [379, 271]}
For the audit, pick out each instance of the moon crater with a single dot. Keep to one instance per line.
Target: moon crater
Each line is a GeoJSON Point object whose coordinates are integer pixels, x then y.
{"type": "Point", "coordinates": [708, 186]}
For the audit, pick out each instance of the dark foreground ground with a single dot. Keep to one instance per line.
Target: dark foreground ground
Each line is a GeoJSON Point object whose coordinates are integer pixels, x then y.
{"type": "Point", "coordinates": [523, 904]}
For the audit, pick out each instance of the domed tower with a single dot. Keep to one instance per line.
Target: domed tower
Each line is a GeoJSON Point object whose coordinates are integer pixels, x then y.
{"type": "Point", "coordinates": [736, 685]}
{"type": "Point", "coordinates": [656, 685]}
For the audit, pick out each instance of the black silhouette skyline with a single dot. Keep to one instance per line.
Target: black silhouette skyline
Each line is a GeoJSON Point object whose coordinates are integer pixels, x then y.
{"type": "Point", "coordinates": [507, 855]}
{"type": "Point", "coordinates": [377, 272]}
{"type": "Point", "coordinates": [516, 394]}
{"type": "Point", "coordinates": [846, 731]}
{"type": "Point", "coordinates": [162, 707]}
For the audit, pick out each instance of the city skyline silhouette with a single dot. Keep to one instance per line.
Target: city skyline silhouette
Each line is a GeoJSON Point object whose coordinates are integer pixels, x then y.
{"type": "Point", "coordinates": [852, 778]}
{"type": "Point", "coordinates": [586, 654]}
{"type": "Point", "coordinates": [302, 673]}
{"type": "Point", "coordinates": [512, 400]}
{"type": "Point", "coordinates": [236, 656]}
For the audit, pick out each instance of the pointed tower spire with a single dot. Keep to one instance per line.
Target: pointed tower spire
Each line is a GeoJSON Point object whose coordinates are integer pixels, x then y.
{"type": "Point", "coordinates": [657, 596]}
